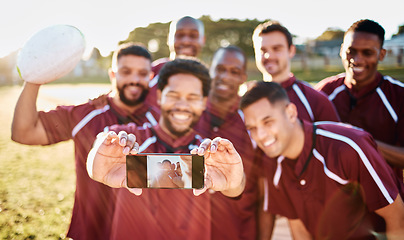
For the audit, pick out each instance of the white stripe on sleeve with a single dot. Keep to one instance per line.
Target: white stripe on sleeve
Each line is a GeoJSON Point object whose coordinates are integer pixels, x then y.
{"type": "Point", "coordinates": [304, 100]}
{"type": "Point", "coordinates": [147, 143]}
{"type": "Point", "coordinates": [387, 104]}
{"type": "Point", "coordinates": [335, 92]}
{"type": "Point", "coordinates": [88, 118]}
{"type": "Point", "coordinates": [362, 156]}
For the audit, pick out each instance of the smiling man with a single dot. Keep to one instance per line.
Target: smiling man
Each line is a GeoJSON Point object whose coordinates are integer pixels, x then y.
{"type": "Point", "coordinates": [183, 87]}
{"type": "Point", "coordinates": [364, 97]}
{"type": "Point", "coordinates": [130, 74]}
{"type": "Point", "coordinates": [327, 178]}
{"type": "Point", "coordinates": [186, 37]}
{"type": "Point", "coordinates": [274, 50]}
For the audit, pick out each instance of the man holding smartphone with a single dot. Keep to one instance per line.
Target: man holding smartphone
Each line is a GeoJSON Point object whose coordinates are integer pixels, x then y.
{"type": "Point", "coordinates": [167, 213]}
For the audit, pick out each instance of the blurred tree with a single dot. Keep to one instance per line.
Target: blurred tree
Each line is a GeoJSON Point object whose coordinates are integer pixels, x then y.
{"type": "Point", "coordinates": [219, 33]}
{"type": "Point", "coordinates": [331, 34]}
{"type": "Point", "coordinates": [400, 31]}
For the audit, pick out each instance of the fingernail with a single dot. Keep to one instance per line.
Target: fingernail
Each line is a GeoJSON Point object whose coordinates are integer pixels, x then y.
{"type": "Point", "coordinates": [213, 148]}
{"type": "Point", "coordinates": [126, 150]}
{"type": "Point", "coordinates": [123, 141]}
{"type": "Point", "coordinates": [201, 150]}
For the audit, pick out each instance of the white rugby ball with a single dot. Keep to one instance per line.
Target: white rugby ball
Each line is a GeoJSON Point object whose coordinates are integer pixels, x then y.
{"type": "Point", "coordinates": [51, 53]}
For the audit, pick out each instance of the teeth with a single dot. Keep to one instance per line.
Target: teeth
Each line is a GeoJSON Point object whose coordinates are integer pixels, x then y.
{"type": "Point", "coordinates": [358, 69]}
{"type": "Point", "coordinates": [223, 87]}
{"type": "Point", "coordinates": [269, 142]}
{"type": "Point", "coordinates": [181, 116]}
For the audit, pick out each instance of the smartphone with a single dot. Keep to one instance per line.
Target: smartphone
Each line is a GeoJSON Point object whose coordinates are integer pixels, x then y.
{"type": "Point", "coordinates": [165, 170]}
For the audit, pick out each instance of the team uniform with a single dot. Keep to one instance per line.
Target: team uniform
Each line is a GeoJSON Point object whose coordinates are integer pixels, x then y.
{"type": "Point", "coordinates": [232, 219]}
{"type": "Point", "coordinates": [377, 108]}
{"type": "Point", "coordinates": [311, 105]}
{"type": "Point", "coordinates": [157, 65]}
{"type": "Point", "coordinates": [161, 213]}
{"type": "Point", "coordinates": [335, 185]}
{"type": "Point", "coordinates": [93, 202]}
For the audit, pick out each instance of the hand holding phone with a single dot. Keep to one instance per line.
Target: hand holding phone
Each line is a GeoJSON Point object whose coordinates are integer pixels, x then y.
{"type": "Point", "coordinates": [224, 167]}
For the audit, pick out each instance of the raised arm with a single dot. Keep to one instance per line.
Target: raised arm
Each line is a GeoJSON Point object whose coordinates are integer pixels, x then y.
{"type": "Point", "coordinates": [27, 128]}
{"type": "Point", "coordinates": [223, 167]}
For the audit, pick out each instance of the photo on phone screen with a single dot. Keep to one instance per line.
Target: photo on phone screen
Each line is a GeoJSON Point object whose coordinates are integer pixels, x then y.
{"type": "Point", "coordinates": [165, 171]}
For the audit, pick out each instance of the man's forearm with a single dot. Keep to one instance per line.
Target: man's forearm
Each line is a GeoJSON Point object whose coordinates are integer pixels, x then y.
{"type": "Point", "coordinates": [393, 154]}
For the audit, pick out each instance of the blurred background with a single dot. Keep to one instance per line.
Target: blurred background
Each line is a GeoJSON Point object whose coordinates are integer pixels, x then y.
{"type": "Point", "coordinates": [37, 183]}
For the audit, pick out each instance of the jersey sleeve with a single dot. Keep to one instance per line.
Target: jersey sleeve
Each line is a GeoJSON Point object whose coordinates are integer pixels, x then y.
{"type": "Point", "coordinates": [365, 165]}
{"type": "Point", "coordinates": [323, 108]}
{"type": "Point", "coordinates": [57, 123]}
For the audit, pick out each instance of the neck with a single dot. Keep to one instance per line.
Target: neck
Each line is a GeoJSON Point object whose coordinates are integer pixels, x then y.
{"type": "Point", "coordinates": [279, 78]}
{"type": "Point", "coordinates": [223, 107]}
{"type": "Point", "coordinates": [358, 85]}
{"type": "Point", "coordinates": [296, 142]}
{"type": "Point", "coordinates": [130, 109]}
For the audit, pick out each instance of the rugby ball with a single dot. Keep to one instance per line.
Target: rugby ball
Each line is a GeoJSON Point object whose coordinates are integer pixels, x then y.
{"type": "Point", "coordinates": [51, 53]}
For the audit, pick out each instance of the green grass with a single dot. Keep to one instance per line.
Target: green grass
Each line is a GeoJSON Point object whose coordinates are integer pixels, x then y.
{"type": "Point", "coordinates": [37, 183]}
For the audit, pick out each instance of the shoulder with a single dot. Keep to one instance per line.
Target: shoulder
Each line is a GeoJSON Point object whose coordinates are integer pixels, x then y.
{"type": "Point", "coordinates": [329, 84]}
{"type": "Point", "coordinates": [392, 83]}
{"type": "Point", "coordinates": [310, 92]}
{"type": "Point", "coordinates": [158, 64]}
{"type": "Point", "coordinates": [345, 134]}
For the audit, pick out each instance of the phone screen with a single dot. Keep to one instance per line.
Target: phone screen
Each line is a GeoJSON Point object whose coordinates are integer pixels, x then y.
{"type": "Point", "coordinates": [155, 170]}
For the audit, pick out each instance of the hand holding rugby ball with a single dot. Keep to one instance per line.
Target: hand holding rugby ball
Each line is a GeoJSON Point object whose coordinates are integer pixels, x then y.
{"type": "Point", "coordinates": [50, 54]}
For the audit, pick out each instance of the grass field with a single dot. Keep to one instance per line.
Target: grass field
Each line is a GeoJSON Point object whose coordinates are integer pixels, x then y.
{"type": "Point", "coordinates": [37, 183]}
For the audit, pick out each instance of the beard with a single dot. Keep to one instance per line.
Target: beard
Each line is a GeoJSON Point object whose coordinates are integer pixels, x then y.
{"type": "Point", "coordinates": [171, 127]}
{"type": "Point", "coordinates": [140, 99]}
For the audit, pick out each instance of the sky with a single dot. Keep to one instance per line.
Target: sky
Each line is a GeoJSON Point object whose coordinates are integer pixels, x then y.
{"type": "Point", "coordinates": [105, 23]}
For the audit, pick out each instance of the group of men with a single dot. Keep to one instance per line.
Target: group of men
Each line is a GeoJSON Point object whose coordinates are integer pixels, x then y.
{"type": "Point", "coordinates": [279, 149]}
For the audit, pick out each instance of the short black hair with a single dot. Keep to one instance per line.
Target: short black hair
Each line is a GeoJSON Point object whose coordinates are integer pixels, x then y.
{"type": "Point", "coordinates": [272, 26]}
{"type": "Point", "coordinates": [186, 65]}
{"type": "Point", "coordinates": [368, 26]}
{"type": "Point", "coordinates": [233, 48]}
{"type": "Point", "coordinates": [272, 91]}
{"type": "Point", "coordinates": [131, 48]}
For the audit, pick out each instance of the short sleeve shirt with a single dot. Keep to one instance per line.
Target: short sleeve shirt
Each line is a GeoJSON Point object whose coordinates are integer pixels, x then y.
{"type": "Point", "coordinates": [335, 185]}
{"type": "Point", "coordinates": [311, 105]}
{"type": "Point", "coordinates": [377, 108]}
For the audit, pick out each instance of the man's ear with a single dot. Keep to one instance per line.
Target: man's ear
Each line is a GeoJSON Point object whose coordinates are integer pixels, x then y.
{"type": "Point", "coordinates": [158, 92]}
{"type": "Point", "coordinates": [382, 54]}
{"type": "Point", "coordinates": [111, 75]}
{"type": "Point", "coordinates": [291, 112]}
{"type": "Point", "coordinates": [292, 51]}
{"type": "Point", "coordinates": [151, 75]}
{"type": "Point", "coordinates": [204, 101]}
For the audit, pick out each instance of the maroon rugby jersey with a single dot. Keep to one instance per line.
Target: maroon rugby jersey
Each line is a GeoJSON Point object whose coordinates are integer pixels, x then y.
{"type": "Point", "coordinates": [161, 213]}
{"type": "Point", "coordinates": [377, 108]}
{"type": "Point", "coordinates": [93, 201]}
{"type": "Point", "coordinates": [232, 219]}
{"type": "Point", "coordinates": [151, 98]}
{"type": "Point", "coordinates": [311, 105]}
{"type": "Point", "coordinates": [335, 185]}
